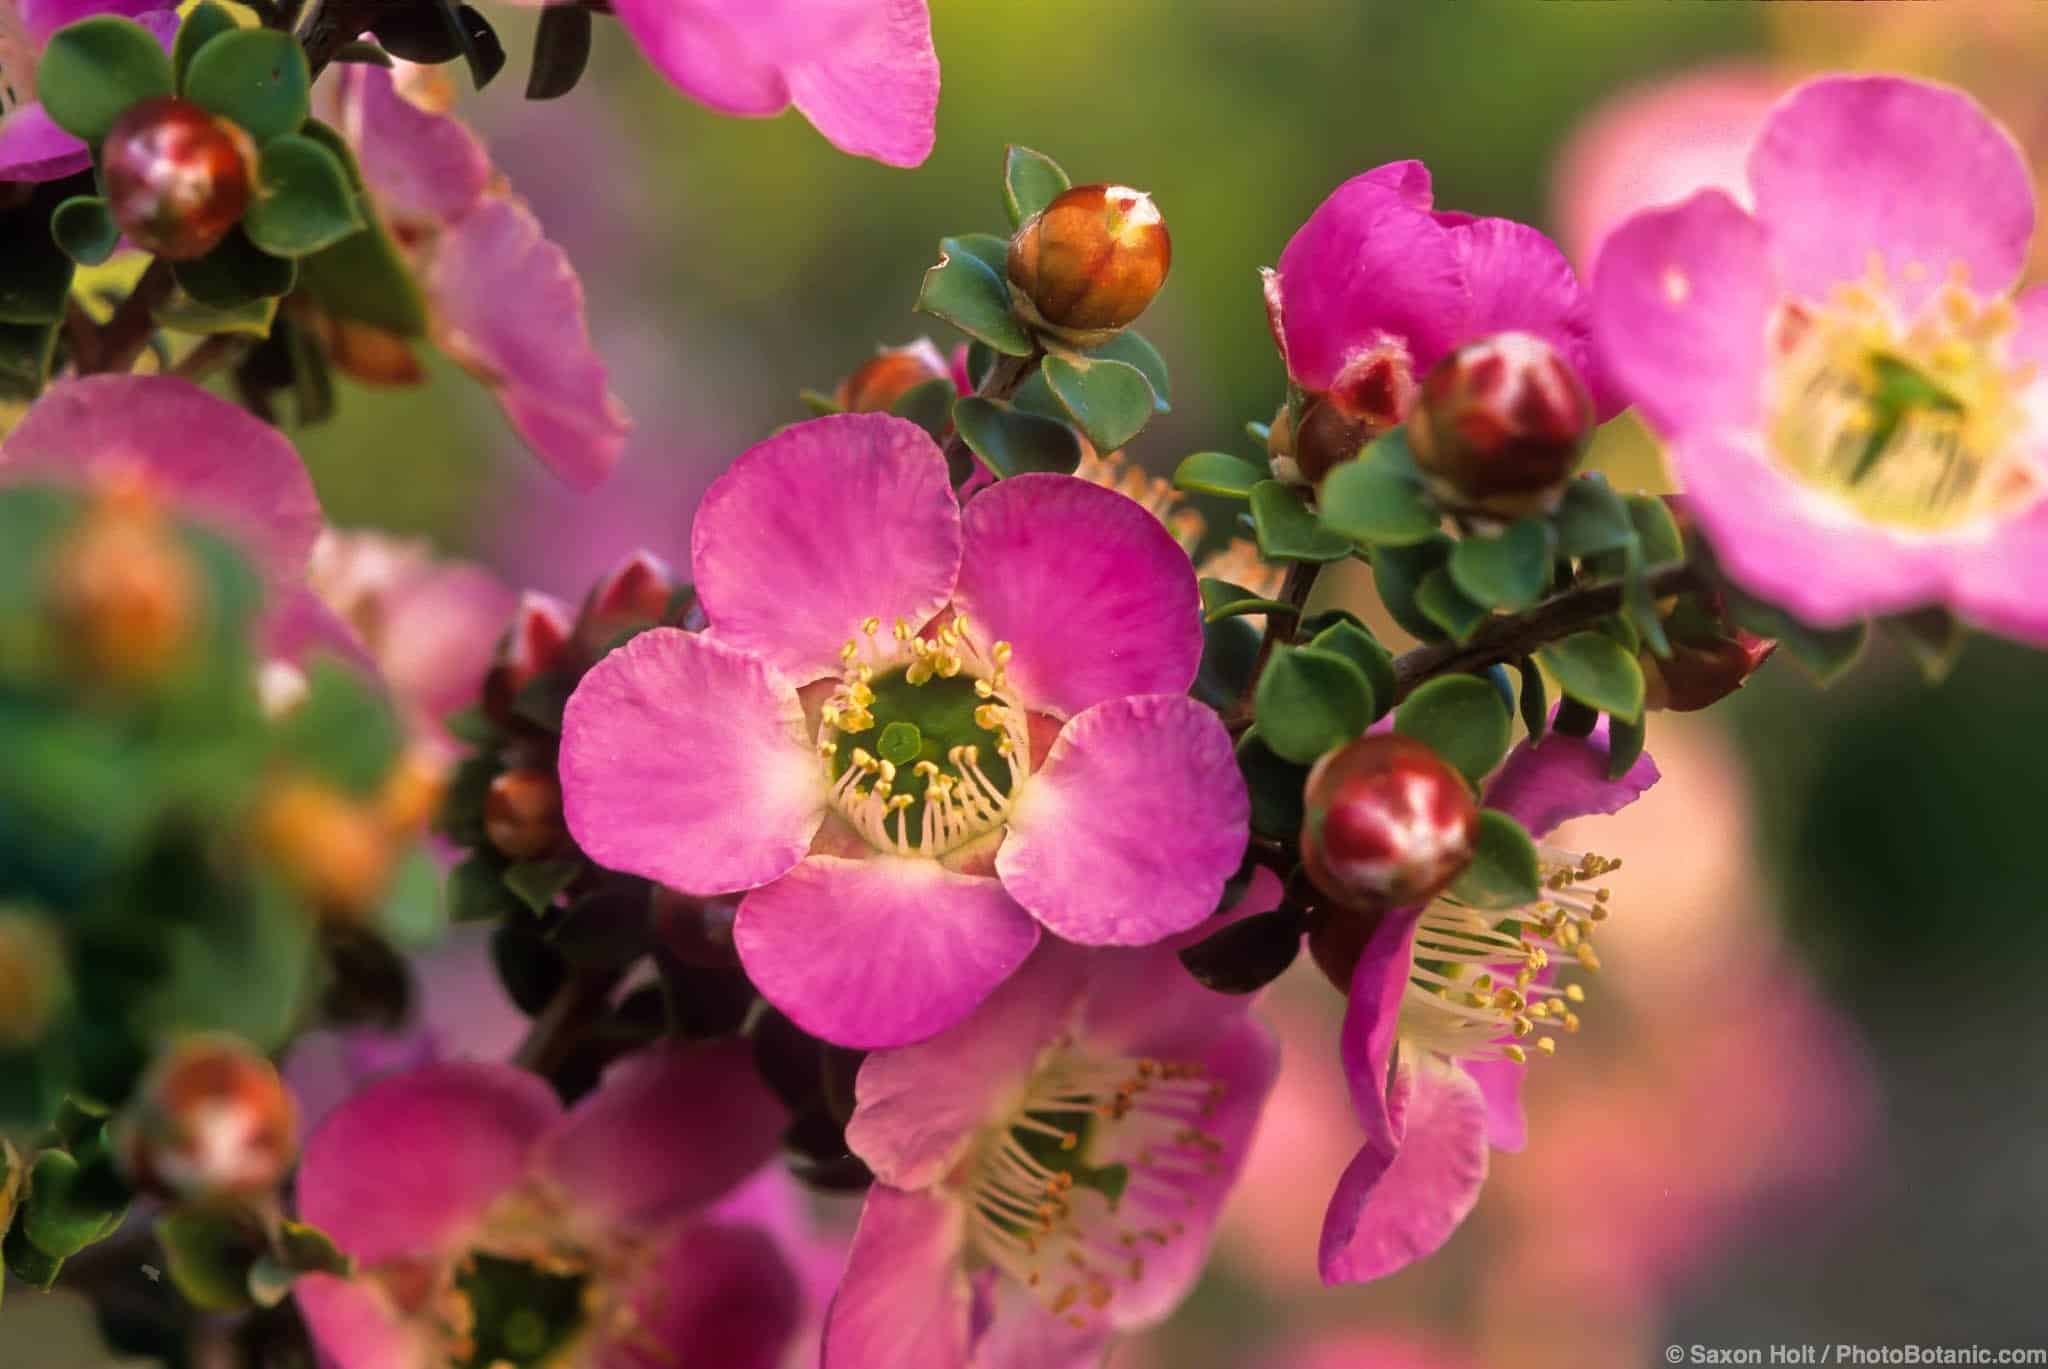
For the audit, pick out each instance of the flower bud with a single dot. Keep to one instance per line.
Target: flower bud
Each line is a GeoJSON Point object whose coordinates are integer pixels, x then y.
{"type": "Point", "coordinates": [1325, 439]}
{"type": "Point", "coordinates": [1087, 264]}
{"type": "Point", "coordinates": [177, 178]}
{"type": "Point", "coordinates": [1387, 823]}
{"type": "Point", "coordinates": [335, 853]}
{"type": "Point", "coordinates": [536, 642]}
{"type": "Point", "coordinates": [635, 595]}
{"type": "Point", "coordinates": [523, 814]}
{"type": "Point", "coordinates": [1500, 426]}
{"type": "Point", "coordinates": [212, 1119]}
{"type": "Point", "coordinates": [1699, 674]}
{"type": "Point", "coordinates": [33, 982]}
{"type": "Point", "coordinates": [893, 372]}
{"type": "Point", "coordinates": [123, 592]}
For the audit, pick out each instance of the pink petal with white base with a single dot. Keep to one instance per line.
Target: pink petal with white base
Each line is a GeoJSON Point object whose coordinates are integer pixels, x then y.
{"type": "Point", "coordinates": [904, 1299]}
{"type": "Point", "coordinates": [2003, 584]}
{"type": "Point", "coordinates": [1372, 1014]}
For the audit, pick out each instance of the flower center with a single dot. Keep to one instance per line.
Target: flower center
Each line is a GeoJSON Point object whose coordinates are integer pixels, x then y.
{"type": "Point", "coordinates": [923, 750]}
{"type": "Point", "coordinates": [1917, 424]}
{"type": "Point", "coordinates": [518, 1313]}
{"type": "Point", "coordinates": [1478, 987]}
{"type": "Point", "coordinates": [1089, 1173]}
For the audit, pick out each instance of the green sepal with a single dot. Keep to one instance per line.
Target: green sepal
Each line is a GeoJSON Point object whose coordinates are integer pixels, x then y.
{"type": "Point", "coordinates": [1508, 571]}
{"type": "Point", "coordinates": [1218, 473]}
{"type": "Point", "coordinates": [206, 22]}
{"type": "Point", "coordinates": [1012, 442]}
{"type": "Point", "coordinates": [1031, 181]}
{"type": "Point", "coordinates": [84, 227]}
{"type": "Point", "coordinates": [561, 52]}
{"type": "Point", "coordinates": [1309, 701]}
{"type": "Point", "coordinates": [969, 293]}
{"type": "Point", "coordinates": [92, 72]}
{"type": "Point", "coordinates": [536, 883]}
{"type": "Point", "coordinates": [1462, 719]}
{"type": "Point", "coordinates": [1287, 530]}
{"type": "Point", "coordinates": [254, 78]}
{"type": "Point", "coordinates": [303, 200]}
{"type": "Point", "coordinates": [1825, 653]}
{"type": "Point", "coordinates": [1108, 400]}
{"type": "Point", "coordinates": [1378, 499]}
{"type": "Point", "coordinates": [1597, 671]}
{"type": "Point", "coordinates": [1624, 744]}
{"type": "Point", "coordinates": [1505, 872]}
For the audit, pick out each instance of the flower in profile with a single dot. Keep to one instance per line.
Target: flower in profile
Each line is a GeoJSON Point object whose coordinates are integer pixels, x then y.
{"type": "Point", "coordinates": [1447, 1005]}
{"type": "Point", "coordinates": [488, 1226]}
{"type": "Point", "coordinates": [913, 732]}
{"type": "Point", "coordinates": [1050, 1170]}
{"type": "Point", "coordinates": [32, 147]}
{"type": "Point", "coordinates": [1850, 390]}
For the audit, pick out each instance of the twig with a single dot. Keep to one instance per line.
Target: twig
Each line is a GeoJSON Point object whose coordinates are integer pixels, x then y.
{"type": "Point", "coordinates": [1294, 591]}
{"type": "Point", "coordinates": [209, 356]}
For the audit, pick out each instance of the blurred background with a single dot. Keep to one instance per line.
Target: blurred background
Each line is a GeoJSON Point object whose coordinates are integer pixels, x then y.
{"type": "Point", "coordinates": [1805, 1106]}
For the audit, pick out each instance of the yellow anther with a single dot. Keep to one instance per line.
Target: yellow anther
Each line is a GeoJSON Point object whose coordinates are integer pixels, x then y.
{"type": "Point", "coordinates": [1575, 993]}
{"type": "Point", "coordinates": [1001, 653]}
{"type": "Point", "coordinates": [1547, 1044]}
{"type": "Point", "coordinates": [1515, 1053]}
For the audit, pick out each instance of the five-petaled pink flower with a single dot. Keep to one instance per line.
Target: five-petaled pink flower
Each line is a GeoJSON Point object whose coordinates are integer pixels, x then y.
{"type": "Point", "coordinates": [914, 732]}
{"type": "Point", "coordinates": [1049, 1171]}
{"type": "Point", "coordinates": [1446, 1005]}
{"type": "Point", "coordinates": [1851, 394]}
{"type": "Point", "coordinates": [32, 148]}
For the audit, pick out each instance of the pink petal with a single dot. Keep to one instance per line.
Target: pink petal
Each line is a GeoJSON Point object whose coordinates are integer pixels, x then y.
{"type": "Point", "coordinates": [904, 1300]}
{"type": "Point", "coordinates": [880, 952]}
{"type": "Point", "coordinates": [1520, 281]}
{"type": "Point", "coordinates": [1129, 830]}
{"type": "Point", "coordinates": [354, 1325]}
{"type": "Point", "coordinates": [410, 1164]}
{"type": "Point", "coordinates": [1681, 301]}
{"type": "Point", "coordinates": [205, 458]}
{"type": "Point", "coordinates": [1545, 783]}
{"type": "Point", "coordinates": [711, 1294]}
{"type": "Point", "coordinates": [729, 54]}
{"type": "Point", "coordinates": [1142, 1002]}
{"type": "Point", "coordinates": [303, 625]}
{"type": "Point", "coordinates": [32, 148]}
{"type": "Point", "coordinates": [508, 306]}
{"type": "Point", "coordinates": [2030, 340]}
{"type": "Point", "coordinates": [1090, 590]}
{"type": "Point", "coordinates": [41, 18]}
{"type": "Point", "coordinates": [685, 761]}
{"type": "Point", "coordinates": [1261, 895]}
{"type": "Point", "coordinates": [875, 93]}
{"type": "Point", "coordinates": [1917, 173]}
{"type": "Point", "coordinates": [421, 167]}
{"type": "Point", "coordinates": [918, 1107]}
{"type": "Point", "coordinates": [648, 1145]}
{"type": "Point", "coordinates": [825, 524]}
{"type": "Point", "coordinates": [1500, 1084]}
{"type": "Point", "coordinates": [1395, 1205]}
{"type": "Point", "coordinates": [2003, 584]}
{"type": "Point", "coordinates": [439, 632]}
{"type": "Point", "coordinates": [1371, 1023]}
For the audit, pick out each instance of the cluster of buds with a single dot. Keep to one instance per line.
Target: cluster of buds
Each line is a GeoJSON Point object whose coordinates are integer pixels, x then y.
{"type": "Point", "coordinates": [1086, 266]}
{"type": "Point", "coordinates": [177, 177]}
{"type": "Point", "coordinates": [1500, 426]}
{"type": "Point", "coordinates": [122, 591]}
{"type": "Point", "coordinates": [212, 1119]}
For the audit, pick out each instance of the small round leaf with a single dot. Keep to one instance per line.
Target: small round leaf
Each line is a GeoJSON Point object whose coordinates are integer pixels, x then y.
{"type": "Point", "coordinates": [1462, 719]}
{"type": "Point", "coordinates": [1109, 401]}
{"type": "Point", "coordinates": [93, 71]}
{"type": "Point", "coordinates": [1309, 701]}
{"type": "Point", "coordinates": [303, 201]}
{"type": "Point", "coordinates": [256, 78]}
{"type": "Point", "coordinates": [1504, 872]}
{"type": "Point", "coordinates": [1011, 442]}
{"type": "Point", "coordinates": [1597, 671]}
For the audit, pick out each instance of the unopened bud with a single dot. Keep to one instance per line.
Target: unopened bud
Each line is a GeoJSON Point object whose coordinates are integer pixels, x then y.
{"type": "Point", "coordinates": [33, 980]}
{"type": "Point", "coordinates": [367, 353]}
{"type": "Point", "coordinates": [212, 1119]}
{"type": "Point", "coordinates": [634, 596]}
{"type": "Point", "coordinates": [1086, 265]}
{"type": "Point", "coordinates": [1501, 425]}
{"type": "Point", "coordinates": [1387, 823]}
{"type": "Point", "coordinates": [537, 641]}
{"type": "Point", "coordinates": [177, 178]}
{"type": "Point", "coordinates": [1699, 674]}
{"type": "Point", "coordinates": [123, 590]}
{"type": "Point", "coordinates": [1325, 439]}
{"type": "Point", "coordinates": [523, 814]}
{"type": "Point", "coordinates": [893, 372]}
{"type": "Point", "coordinates": [336, 853]}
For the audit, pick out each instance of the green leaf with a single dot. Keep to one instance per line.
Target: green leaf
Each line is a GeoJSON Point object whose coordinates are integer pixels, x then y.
{"type": "Point", "coordinates": [1933, 637]}
{"type": "Point", "coordinates": [1309, 701]}
{"type": "Point", "coordinates": [1133, 350]}
{"type": "Point", "coordinates": [1462, 719]}
{"type": "Point", "coordinates": [477, 892]}
{"type": "Point", "coordinates": [1509, 571]}
{"type": "Point", "coordinates": [1010, 442]}
{"type": "Point", "coordinates": [342, 731]}
{"type": "Point", "coordinates": [1378, 498]}
{"type": "Point", "coordinates": [1230, 648]}
{"type": "Point", "coordinates": [822, 404]}
{"type": "Point", "coordinates": [1362, 649]}
{"type": "Point", "coordinates": [59, 1217]}
{"type": "Point", "coordinates": [95, 70]}
{"type": "Point", "coordinates": [1221, 599]}
{"type": "Point", "coordinates": [1286, 529]}
{"type": "Point", "coordinates": [85, 228]}
{"type": "Point", "coordinates": [929, 406]}
{"type": "Point", "coordinates": [1624, 744]}
{"type": "Point", "coordinates": [209, 1254]}
{"type": "Point", "coordinates": [1591, 518]}
{"type": "Point", "coordinates": [1275, 786]}
{"type": "Point", "coordinates": [26, 351]}
{"type": "Point", "coordinates": [1030, 182]}
{"type": "Point", "coordinates": [1639, 605]}
{"type": "Point", "coordinates": [1218, 473]}
{"type": "Point", "coordinates": [536, 882]}
{"type": "Point", "coordinates": [365, 278]}
{"type": "Point", "coordinates": [1247, 955]}
{"type": "Point", "coordinates": [256, 78]}
{"type": "Point", "coordinates": [986, 248]}
{"type": "Point", "coordinates": [1535, 700]}
{"type": "Point", "coordinates": [307, 1249]}
{"type": "Point", "coordinates": [303, 201]}
{"type": "Point", "coordinates": [27, 1263]}
{"type": "Point", "coordinates": [1443, 603]}
{"type": "Point", "coordinates": [1825, 653]}
{"type": "Point", "coordinates": [1655, 529]}
{"type": "Point", "coordinates": [1109, 401]}
{"type": "Point", "coordinates": [235, 274]}
{"type": "Point", "coordinates": [206, 22]}
{"type": "Point", "coordinates": [561, 52]}
{"type": "Point", "coordinates": [1398, 573]}
{"type": "Point", "coordinates": [254, 319]}
{"type": "Point", "coordinates": [330, 138]}
{"type": "Point", "coordinates": [1597, 671]}
{"type": "Point", "coordinates": [968, 293]}
{"type": "Point", "coordinates": [1505, 872]}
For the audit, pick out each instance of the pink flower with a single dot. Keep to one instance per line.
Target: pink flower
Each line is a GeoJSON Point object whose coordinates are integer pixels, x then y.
{"type": "Point", "coordinates": [1377, 287]}
{"type": "Point", "coordinates": [487, 1223]}
{"type": "Point", "coordinates": [914, 733]}
{"type": "Point", "coordinates": [32, 148]}
{"type": "Point", "coordinates": [1440, 1002]}
{"type": "Point", "coordinates": [1849, 389]}
{"type": "Point", "coordinates": [1071, 1142]}
{"type": "Point", "coordinates": [505, 301]}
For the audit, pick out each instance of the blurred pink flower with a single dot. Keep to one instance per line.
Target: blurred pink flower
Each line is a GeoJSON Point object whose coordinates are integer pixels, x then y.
{"type": "Point", "coordinates": [32, 148]}
{"type": "Point", "coordinates": [1368, 1350]}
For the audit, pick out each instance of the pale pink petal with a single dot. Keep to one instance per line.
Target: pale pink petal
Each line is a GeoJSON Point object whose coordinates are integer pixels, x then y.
{"type": "Point", "coordinates": [1261, 895]}
{"type": "Point", "coordinates": [824, 525]}
{"type": "Point", "coordinates": [1681, 304]}
{"type": "Point", "coordinates": [875, 93]}
{"type": "Point", "coordinates": [354, 1326]}
{"type": "Point", "coordinates": [904, 1299]}
{"type": "Point", "coordinates": [421, 167]}
{"type": "Point", "coordinates": [1142, 1002]}
{"type": "Point", "coordinates": [2030, 341]}
{"type": "Point", "coordinates": [1371, 1023]}
{"type": "Point", "coordinates": [32, 148]}
{"type": "Point", "coordinates": [409, 1165]}
{"type": "Point", "coordinates": [880, 952]}
{"type": "Point", "coordinates": [1129, 831]}
{"type": "Point", "coordinates": [1023, 1333]}
{"type": "Point", "coordinates": [1917, 174]}
{"type": "Point", "coordinates": [1395, 1206]}
{"type": "Point", "coordinates": [2002, 585]}
{"type": "Point", "coordinates": [710, 1294]}
{"type": "Point", "coordinates": [438, 635]}
{"type": "Point", "coordinates": [205, 458]}
{"type": "Point", "coordinates": [303, 626]}
{"type": "Point", "coordinates": [1552, 781]}
{"type": "Point", "coordinates": [1090, 590]}
{"type": "Point", "coordinates": [685, 761]}
{"type": "Point", "coordinates": [41, 18]}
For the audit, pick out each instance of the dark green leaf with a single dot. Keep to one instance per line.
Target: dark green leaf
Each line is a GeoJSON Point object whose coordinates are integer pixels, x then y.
{"type": "Point", "coordinates": [1362, 649]}
{"type": "Point", "coordinates": [1639, 605]}
{"type": "Point", "coordinates": [561, 51]}
{"type": "Point", "coordinates": [986, 248]}
{"type": "Point", "coordinates": [1230, 646]}
{"type": "Point", "coordinates": [59, 1217]}
{"type": "Point", "coordinates": [93, 71]}
{"type": "Point", "coordinates": [1535, 699]}
{"type": "Point", "coordinates": [184, 314]}
{"type": "Point", "coordinates": [1030, 182]}
{"type": "Point", "coordinates": [1656, 531]}
{"type": "Point", "coordinates": [475, 39]}
{"type": "Point", "coordinates": [1288, 531]}
{"type": "Point", "coordinates": [1624, 745]}
{"type": "Point", "coordinates": [607, 930]}
{"type": "Point", "coordinates": [1509, 571]}
{"type": "Point", "coordinates": [968, 293]}
{"type": "Point", "coordinates": [35, 274]}
{"type": "Point", "coordinates": [530, 969]}
{"type": "Point", "coordinates": [1109, 401]}
{"type": "Point", "coordinates": [1398, 573]}
{"type": "Point", "coordinates": [303, 200]}
{"type": "Point", "coordinates": [1218, 473]}
{"type": "Point", "coordinates": [1443, 603]}
{"type": "Point", "coordinates": [1010, 442]}
{"type": "Point", "coordinates": [1461, 718]}
{"type": "Point", "coordinates": [364, 54]}
{"type": "Point", "coordinates": [256, 78]}
{"type": "Point", "coordinates": [1592, 518]}
{"type": "Point", "coordinates": [1247, 955]}
{"type": "Point", "coordinates": [1309, 701]}
{"type": "Point", "coordinates": [1378, 498]}
{"type": "Point", "coordinates": [364, 278]}
{"type": "Point", "coordinates": [1133, 350]}
{"type": "Point", "coordinates": [85, 229]}
{"type": "Point", "coordinates": [209, 1253]}
{"type": "Point", "coordinates": [1221, 599]}
{"type": "Point", "coordinates": [929, 406]}
{"type": "Point", "coordinates": [26, 351]}
{"type": "Point", "coordinates": [27, 1263]}
{"type": "Point", "coordinates": [477, 892]}
{"type": "Point", "coordinates": [1504, 872]}
{"type": "Point", "coordinates": [235, 274]}
{"type": "Point", "coordinates": [536, 883]}
{"type": "Point", "coordinates": [1275, 786]}
{"type": "Point", "coordinates": [1597, 671]}
{"type": "Point", "coordinates": [206, 22]}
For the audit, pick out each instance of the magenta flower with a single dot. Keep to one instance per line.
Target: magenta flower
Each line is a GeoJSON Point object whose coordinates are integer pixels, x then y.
{"type": "Point", "coordinates": [1441, 1002]}
{"type": "Point", "coordinates": [32, 148]}
{"type": "Point", "coordinates": [1377, 287]}
{"type": "Point", "coordinates": [1050, 1170]}
{"type": "Point", "coordinates": [487, 1224]}
{"type": "Point", "coordinates": [1850, 391]}
{"type": "Point", "coordinates": [914, 733]}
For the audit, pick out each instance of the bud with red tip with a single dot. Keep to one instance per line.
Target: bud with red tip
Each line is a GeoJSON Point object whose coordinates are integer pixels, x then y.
{"type": "Point", "coordinates": [1500, 426]}
{"type": "Point", "coordinates": [893, 372]}
{"type": "Point", "coordinates": [1387, 824]}
{"type": "Point", "coordinates": [523, 814]}
{"type": "Point", "coordinates": [123, 592]}
{"type": "Point", "coordinates": [1086, 265]}
{"type": "Point", "coordinates": [177, 178]}
{"type": "Point", "coordinates": [537, 641]}
{"type": "Point", "coordinates": [212, 1119]}
{"type": "Point", "coordinates": [636, 595]}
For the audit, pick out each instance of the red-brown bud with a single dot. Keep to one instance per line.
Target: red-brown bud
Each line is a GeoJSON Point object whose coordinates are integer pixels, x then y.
{"type": "Point", "coordinates": [537, 641]}
{"type": "Point", "coordinates": [1699, 674]}
{"type": "Point", "coordinates": [124, 593]}
{"type": "Point", "coordinates": [1387, 823]}
{"type": "Point", "coordinates": [635, 595]}
{"type": "Point", "coordinates": [877, 383]}
{"type": "Point", "coordinates": [1326, 438]}
{"type": "Point", "coordinates": [1500, 426]}
{"type": "Point", "coordinates": [523, 814]}
{"type": "Point", "coordinates": [177, 178]}
{"type": "Point", "coordinates": [1087, 264]}
{"type": "Point", "coordinates": [33, 981]}
{"type": "Point", "coordinates": [212, 1119]}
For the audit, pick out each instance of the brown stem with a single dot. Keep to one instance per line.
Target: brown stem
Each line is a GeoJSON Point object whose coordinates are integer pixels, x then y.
{"type": "Point", "coordinates": [1509, 639]}
{"type": "Point", "coordinates": [1301, 579]}
{"type": "Point", "coordinates": [1004, 379]}
{"type": "Point", "coordinates": [562, 1022]}
{"type": "Point", "coordinates": [209, 356]}
{"type": "Point", "coordinates": [127, 333]}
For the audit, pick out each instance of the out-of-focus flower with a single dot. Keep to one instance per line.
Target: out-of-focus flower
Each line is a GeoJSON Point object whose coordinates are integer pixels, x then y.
{"type": "Point", "coordinates": [123, 589]}
{"type": "Point", "coordinates": [892, 372]}
{"type": "Point", "coordinates": [1441, 1000]}
{"type": "Point", "coordinates": [32, 147]}
{"type": "Point", "coordinates": [486, 1224]}
{"type": "Point", "coordinates": [1071, 1143]}
{"type": "Point", "coordinates": [992, 732]}
{"type": "Point", "coordinates": [1850, 391]}
{"type": "Point", "coordinates": [1378, 286]}
{"type": "Point", "coordinates": [1369, 1350]}
{"type": "Point", "coordinates": [504, 300]}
